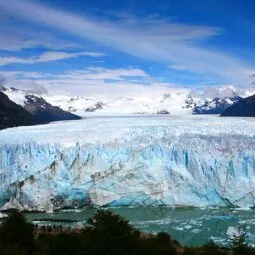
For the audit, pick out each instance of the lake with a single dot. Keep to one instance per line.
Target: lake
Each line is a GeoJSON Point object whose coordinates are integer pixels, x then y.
{"type": "Point", "coordinates": [191, 226]}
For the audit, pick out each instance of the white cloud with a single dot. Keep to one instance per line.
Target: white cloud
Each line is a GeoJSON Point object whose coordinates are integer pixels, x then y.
{"type": "Point", "coordinates": [46, 57]}
{"type": "Point", "coordinates": [11, 41]}
{"type": "Point", "coordinates": [250, 72]}
{"type": "Point", "coordinates": [13, 38]}
{"type": "Point", "coordinates": [58, 55]}
{"type": "Point", "coordinates": [100, 73]}
{"type": "Point", "coordinates": [22, 75]}
{"type": "Point", "coordinates": [92, 81]}
{"type": "Point", "coordinates": [103, 88]}
{"type": "Point", "coordinates": [19, 80]}
{"type": "Point", "coordinates": [222, 91]}
{"type": "Point", "coordinates": [10, 60]}
{"type": "Point", "coordinates": [30, 86]}
{"type": "Point", "coordinates": [178, 67]}
{"type": "Point", "coordinates": [99, 81]}
{"type": "Point", "coordinates": [156, 40]}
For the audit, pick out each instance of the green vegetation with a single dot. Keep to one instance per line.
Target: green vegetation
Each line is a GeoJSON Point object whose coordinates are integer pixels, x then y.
{"type": "Point", "coordinates": [107, 234]}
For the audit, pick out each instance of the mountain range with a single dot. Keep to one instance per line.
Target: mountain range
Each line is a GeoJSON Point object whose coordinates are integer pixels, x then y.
{"type": "Point", "coordinates": [12, 115]}
{"type": "Point", "coordinates": [215, 106]}
{"type": "Point", "coordinates": [174, 103]}
{"type": "Point", "coordinates": [32, 110]}
{"type": "Point", "coordinates": [243, 108]}
{"type": "Point", "coordinates": [21, 107]}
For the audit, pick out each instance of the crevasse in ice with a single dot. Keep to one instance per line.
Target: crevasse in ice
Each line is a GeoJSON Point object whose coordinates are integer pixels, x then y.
{"type": "Point", "coordinates": [145, 161]}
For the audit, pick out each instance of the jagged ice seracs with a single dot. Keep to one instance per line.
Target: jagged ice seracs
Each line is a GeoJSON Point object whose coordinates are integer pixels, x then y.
{"type": "Point", "coordinates": [129, 161]}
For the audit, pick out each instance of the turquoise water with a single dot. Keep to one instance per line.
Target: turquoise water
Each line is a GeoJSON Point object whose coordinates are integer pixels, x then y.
{"type": "Point", "coordinates": [189, 226]}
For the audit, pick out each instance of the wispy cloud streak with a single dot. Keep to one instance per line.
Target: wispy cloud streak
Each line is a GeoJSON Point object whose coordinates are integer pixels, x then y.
{"type": "Point", "coordinates": [157, 40]}
{"type": "Point", "coordinates": [47, 57]}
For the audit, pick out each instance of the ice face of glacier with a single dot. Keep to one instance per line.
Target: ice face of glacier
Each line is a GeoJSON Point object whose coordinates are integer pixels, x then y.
{"type": "Point", "coordinates": [148, 161]}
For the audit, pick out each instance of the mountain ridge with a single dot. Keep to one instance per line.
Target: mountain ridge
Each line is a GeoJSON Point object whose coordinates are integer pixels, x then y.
{"type": "Point", "coordinates": [178, 102]}
{"type": "Point", "coordinates": [243, 108]}
{"type": "Point", "coordinates": [34, 110]}
{"type": "Point", "coordinates": [45, 112]}
{"type": "Point", "coordinates": [12, 115]}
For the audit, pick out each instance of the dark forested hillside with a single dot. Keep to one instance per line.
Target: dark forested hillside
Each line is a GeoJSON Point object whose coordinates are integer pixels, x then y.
{"type": "Point", "coordinates": [243, 108]}
{"type": "Point", "coordinates": [35, 111]}
{"type": "Point", "coordinates": [12, 115]}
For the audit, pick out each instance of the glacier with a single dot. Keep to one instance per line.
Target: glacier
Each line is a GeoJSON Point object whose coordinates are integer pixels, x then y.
{"type": "Point", "coordinates": [129, 161]}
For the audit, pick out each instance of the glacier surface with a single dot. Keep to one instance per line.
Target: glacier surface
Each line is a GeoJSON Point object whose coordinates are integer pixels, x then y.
{"type": "Point", "coordinates": [133, 161]}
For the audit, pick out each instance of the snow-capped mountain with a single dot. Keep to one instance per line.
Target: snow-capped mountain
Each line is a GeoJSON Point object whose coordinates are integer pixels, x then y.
{"type": "Point", "coordinates": [177, 102]}
{"type": "Point", "coordinates": [174, 103]}
{"type": "Point", "coordinates": [243, 108]}
{"type": "Point", "coordinates": [212, 106]}
{"type": "Point", "coordinates": [12, 115]}
{"type": "Point", "coordinates": [117, 105]}
{"type": "Point", "coordinates": [45, 112]}
{"type": "Point", "coordinates": [41, 111]}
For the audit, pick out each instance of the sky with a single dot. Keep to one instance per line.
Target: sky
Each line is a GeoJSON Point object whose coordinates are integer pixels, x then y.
{"type": "Point", "coordinates": [129, 46]}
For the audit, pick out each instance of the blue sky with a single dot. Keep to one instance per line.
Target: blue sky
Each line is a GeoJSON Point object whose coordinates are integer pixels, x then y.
{"type": "Point", "coordinates": [108, 45]}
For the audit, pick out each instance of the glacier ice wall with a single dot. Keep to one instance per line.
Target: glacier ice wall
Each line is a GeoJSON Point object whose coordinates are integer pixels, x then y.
{"type": "Point", "coordinates": [134, 162]}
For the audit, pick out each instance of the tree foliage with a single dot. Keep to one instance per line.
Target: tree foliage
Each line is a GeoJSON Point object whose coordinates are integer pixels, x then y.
{"type": "Point", "coordinates": [16, 235]}
{"type": "Point", "coordinates": [107, 234]}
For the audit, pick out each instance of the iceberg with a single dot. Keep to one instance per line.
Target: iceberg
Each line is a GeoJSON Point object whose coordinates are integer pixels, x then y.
{"type": "Point", "coordinates": [129, 161]}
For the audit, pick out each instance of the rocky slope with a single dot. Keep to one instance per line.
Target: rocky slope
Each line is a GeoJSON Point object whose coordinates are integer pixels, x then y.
{"type": "Point", "coordinates": [12, 115]}
{"type": "Point", "coordinates": [243, 108]}
{"type": "Point", "coordinates": [43, 112]}
{"type": "Point", "coordinates": [214, 106]}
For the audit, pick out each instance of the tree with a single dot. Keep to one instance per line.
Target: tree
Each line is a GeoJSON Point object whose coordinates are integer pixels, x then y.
{"type": "Point", "coordinates": [16, 234]}
{"type": "Point", "coordinates": [110, 233]}
{"type": "Point", "coordinates": [239, 245]}
{"type": "Point", "coordinates": [65, 244]}
{"type": "Point", "coordinates": [191, 251]}
{"type": "Point", "coordinates": [109, 222]}
{"type": "Point", "coordinates": [165, 243]}
{"type": "Point", "coordinates": [211, 248]}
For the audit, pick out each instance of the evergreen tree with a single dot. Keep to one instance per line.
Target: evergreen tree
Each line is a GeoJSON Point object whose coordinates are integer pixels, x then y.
{"type": "Point", "coordinates": [239, 245]}
{"type": "Point", "coordinates": [17, 235]}
{"type": "Point", "coordinates": [111, 234]}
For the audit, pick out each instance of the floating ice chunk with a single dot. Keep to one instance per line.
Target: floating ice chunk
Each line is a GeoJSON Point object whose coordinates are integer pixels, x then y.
{"type": "Point", "coordinates": [243, 209]}
{"type": "Point", "coordinates": [233, 232]}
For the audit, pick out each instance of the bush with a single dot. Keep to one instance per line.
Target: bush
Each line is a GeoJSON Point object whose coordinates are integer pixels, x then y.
{"type": "Point", "coordinates": [16, 235]}
{"type": "Point", "coordinates": [211, 248]}
{"type": "Point", "coordinates": [192, 251]}
{"type": "Point", "coordinates": [65, 244]}
{"type": "Point", "coordinates": [110, 233]}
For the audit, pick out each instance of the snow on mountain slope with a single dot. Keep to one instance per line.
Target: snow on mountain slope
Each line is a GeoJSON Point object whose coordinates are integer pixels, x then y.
{"type": "Point", "coordinates": [112, 105]}
{"type": "Point", "coordinates": [16, 95]}
{"type": "Point", "coordinates": [138, 161]}
{"type": "Point", "coordinates": [176, 102]}
{"type": "Point", "coordinates": [41, 110]}
{"type": "Point", "coordinates": [244, 107]}
{"type": "Point", "coordinates": [179, 101]}
{"type": "Point", "coordinates": [173, 102]}
{"type": "Point", "coordinates": [214, 106]}
{"type": "Point", "coordinates": [12, 115]}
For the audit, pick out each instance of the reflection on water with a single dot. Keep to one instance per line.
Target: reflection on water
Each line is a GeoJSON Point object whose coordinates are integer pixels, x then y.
{"type": "Point", "coordinates": [188, 226]}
